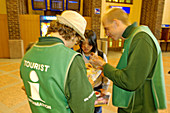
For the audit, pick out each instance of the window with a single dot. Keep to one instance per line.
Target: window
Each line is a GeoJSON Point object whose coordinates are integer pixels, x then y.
{"type": "Point", "coordinates": [121, 1]}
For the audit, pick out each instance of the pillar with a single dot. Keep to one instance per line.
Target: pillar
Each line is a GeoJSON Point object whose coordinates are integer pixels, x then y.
{"type": "Point", "coordinates": [151, 15]}
{"type": "Point", "coordinates": [15, 43]}
{"type": "Point", "coordinates": [96, 18]}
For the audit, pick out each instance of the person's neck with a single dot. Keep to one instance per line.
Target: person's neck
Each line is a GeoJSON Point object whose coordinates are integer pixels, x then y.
{"type": "Point", "coordinates": [123, 28]}
{"type": "Point", "coordinates": [56, 34]}
{"type": "Point", "coordinates": [87, 54]}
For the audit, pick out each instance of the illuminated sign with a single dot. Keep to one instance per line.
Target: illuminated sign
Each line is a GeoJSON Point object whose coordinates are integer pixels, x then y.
{"type": "Point", "coordinates": [39, 4]}
{"type": "Point", "coordinates": [97, 10]}
{"type": "Point", "coordinates": [73, 5]}
{"type": "Point", "coordinates": [45, 23]}
{"type": "Point", "coordinates": [126, 9]}
{"type": "Point", "coordinates": [48, 17]}
{"type": "Point", "coordinates": [165, 25]}
{"type": "Point", "coordinates": [57, 5]}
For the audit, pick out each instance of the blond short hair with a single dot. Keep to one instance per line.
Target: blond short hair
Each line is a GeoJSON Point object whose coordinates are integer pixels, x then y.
{"type": "Point", "coordinates": [116, 13]}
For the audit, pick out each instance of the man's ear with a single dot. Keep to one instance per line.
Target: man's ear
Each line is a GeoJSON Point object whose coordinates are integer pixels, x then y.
{"type": "Point", "coordinates": [115, 23]}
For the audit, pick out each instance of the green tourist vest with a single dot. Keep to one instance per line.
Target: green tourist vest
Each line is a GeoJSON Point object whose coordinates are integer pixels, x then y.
{"type": "Point", "coordinates": [122, 98]}
{"type": "Point", "coordinates": [49, 64]}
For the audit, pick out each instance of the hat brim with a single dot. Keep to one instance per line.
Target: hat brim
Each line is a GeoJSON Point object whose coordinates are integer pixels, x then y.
{"type": "Point", "coordinates": [64, 21]}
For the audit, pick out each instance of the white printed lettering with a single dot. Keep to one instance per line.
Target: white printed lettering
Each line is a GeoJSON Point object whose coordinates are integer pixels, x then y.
{"type": "Point", "coordinates": [46, 67]}
{"type": "Point", "coordinates": [42, 67]}
{"type": "Point", "coordinates": [37, 66]}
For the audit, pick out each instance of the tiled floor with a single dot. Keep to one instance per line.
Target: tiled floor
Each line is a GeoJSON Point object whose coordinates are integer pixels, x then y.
{"type": "Point", "coordinates": [13, 98]}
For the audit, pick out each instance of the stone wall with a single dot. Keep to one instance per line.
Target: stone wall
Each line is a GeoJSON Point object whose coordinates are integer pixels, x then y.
{"type": "Point", "coordinates": [89, 10]}
{"type": "Point", "coordinates": [14, 8]}
{"type": "Point", "coordinates": [151, 15]}
{"type": "Point", "coordinates": [13, 19]}
{"type": "Point", "coordinates": [96, 18]}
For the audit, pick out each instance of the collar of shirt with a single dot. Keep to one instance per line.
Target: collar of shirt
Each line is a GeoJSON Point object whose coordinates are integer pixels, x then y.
{"type": "Point", "coordinates": [49, 40]}
{"type": "Point", "coordinates": [129, 29]}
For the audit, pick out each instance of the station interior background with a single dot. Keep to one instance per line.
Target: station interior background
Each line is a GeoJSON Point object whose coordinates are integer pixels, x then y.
{"type": "Point", "coordinates": [20, 25]}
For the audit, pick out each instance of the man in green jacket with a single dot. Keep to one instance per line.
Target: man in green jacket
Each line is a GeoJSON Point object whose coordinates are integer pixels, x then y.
{"type": "Point", "coordinates": [138, 79]}
{"type": "Point", "coordinates": [53, 74]}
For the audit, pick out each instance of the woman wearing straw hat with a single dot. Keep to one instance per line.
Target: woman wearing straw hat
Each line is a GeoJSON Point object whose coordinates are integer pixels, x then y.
{"type": "Point", "coordinates": [54, 75]}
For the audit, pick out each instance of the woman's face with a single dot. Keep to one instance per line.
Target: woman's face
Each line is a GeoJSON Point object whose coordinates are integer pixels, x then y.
{"type": "Point", "coordinates": [86, 47]}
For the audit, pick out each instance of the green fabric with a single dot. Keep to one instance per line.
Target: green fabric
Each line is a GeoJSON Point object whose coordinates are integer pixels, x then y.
{"type": "Point", "coordinates": [158, 83]}
{"type": "Point", "coordinates": [141, 59]}
{"type": "Point", "coordinates": [54, 81]}
{"type": "Point", "coordinates": [59, 89]}
{"type": "Point", "coordinates": [48, 40]}
{"type": "Point", "coordinates": [122, 98]}
{"type": "Point", "coordinates": [78, 88]}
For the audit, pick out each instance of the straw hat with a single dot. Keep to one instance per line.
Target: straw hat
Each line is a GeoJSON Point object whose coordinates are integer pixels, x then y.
{"type": "Point", "coordinates": [73, 20]}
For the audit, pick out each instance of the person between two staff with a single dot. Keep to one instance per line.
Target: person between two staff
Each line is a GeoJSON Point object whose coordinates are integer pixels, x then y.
{"type": "Point", "coordinates": [88, 46]}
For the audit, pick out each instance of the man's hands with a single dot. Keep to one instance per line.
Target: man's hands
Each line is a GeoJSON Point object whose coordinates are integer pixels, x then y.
{"type": "Point", "coordinates": [88, 65]}
{"type": "Point", "coordinates": [96, 60]}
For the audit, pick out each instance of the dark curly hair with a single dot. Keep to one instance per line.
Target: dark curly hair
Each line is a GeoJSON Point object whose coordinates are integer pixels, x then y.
{"type": "Point", "coordinates": [65, 31]}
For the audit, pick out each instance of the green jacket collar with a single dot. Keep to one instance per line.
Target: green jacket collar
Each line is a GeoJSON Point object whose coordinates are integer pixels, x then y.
{"type": "Point", "coordinates": [129, 29]}
{"type": "Point", "coordinates": [49, 40]}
